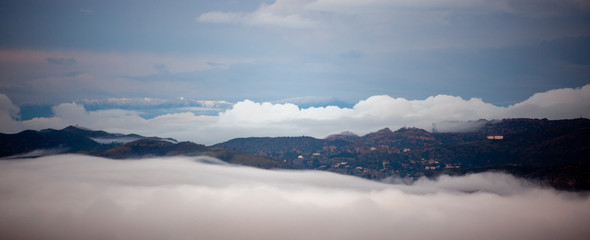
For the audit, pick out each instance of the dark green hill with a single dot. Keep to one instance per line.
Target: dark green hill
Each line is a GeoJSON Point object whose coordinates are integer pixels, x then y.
{"type": "Point", "coordinates": [72, 139]}
{"type": "Point", "coordinates": [525, 146]}
{"type": "Point", "coordinates": [29, 140]}
{"type": "Point", "coordinates": [530, 142]}
{"type": "Point", "coordinates": [403, 138]}
{"type": "Point", "coordinates": [142, 148]}
{"type": "Point", "coordinates": [274, 146]}
{"type": "Point", "coordinates": [552, 152]}
{"type": "Point", "coordinates": [105, 137]}
{"type": "Point", "coordinates": [152, 147]}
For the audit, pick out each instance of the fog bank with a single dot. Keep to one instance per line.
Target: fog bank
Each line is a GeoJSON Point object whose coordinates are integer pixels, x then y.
{"type": "Point", "coordinates": [81, 197]}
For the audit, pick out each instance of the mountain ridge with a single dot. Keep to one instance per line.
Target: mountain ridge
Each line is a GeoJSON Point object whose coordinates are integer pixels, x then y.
{"type": "Point", "coordinates": [30, 143]}
{"type": "Point", "coordinates": [540, 144]}
{"type": "Point", "coordinates": [549, 151]}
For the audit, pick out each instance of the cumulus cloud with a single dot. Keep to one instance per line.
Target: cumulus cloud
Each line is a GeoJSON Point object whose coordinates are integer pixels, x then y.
{"type": "Point", "coordinates": [81, 197]}
{"type": "Point", "coordinates": [9, 115]}
{"type": "Point", "coordinates": [183, 126]}
{"type": "Point", "coordinates": [555, 104]}
{"type": "Point", "coordinates": [247, 118]}
{"type": "Point", "coordinates": [449, 112]}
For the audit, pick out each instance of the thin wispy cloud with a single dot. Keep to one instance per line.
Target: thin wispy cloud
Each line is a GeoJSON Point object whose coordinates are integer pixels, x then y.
{"type": "Point", "coordinates": [282, 14]}
{"type": "Point", "coordinates": [122, 64]}
{"type": "Point", "coordinates": [409, 22]}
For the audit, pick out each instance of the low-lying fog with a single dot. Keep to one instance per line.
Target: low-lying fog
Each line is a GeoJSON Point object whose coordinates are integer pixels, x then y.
{"type": "Point", "coordinates": [82, 197]}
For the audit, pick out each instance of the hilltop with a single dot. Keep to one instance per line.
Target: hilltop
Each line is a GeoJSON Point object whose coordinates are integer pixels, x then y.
{"type": "Point", "coordinates": [555, 153]}
{"type": "Point", "coordinates": [534, 148]}
{"type": "Point", "coordinates": [73, 139]}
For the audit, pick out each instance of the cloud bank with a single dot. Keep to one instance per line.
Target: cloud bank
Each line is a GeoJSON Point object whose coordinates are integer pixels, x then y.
{"type": "Point", "coordinates": [413, 24]}
{"type": "Point", "coordinates": [48, 76]}
{"type": "Point", "coordinates": [247, 118]}
{"type": "Point", "coordinates": [82, 197]}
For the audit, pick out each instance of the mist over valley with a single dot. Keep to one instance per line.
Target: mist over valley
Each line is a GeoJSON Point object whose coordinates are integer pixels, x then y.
{"type": "Point", "coordinates": [77, 196]}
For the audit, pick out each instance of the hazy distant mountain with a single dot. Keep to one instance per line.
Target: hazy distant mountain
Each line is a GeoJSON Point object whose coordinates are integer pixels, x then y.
{"type": "Point", "coordinates": [48, 140]}
{"type": "Point", "coordinates": [107, 138]}
{"type": "Point", "coordinates": [68, 140]}
{"type": "Point", "coordinates": [118, 146]}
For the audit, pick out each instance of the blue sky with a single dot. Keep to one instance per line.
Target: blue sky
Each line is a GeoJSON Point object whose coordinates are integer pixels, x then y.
{"type": "Point", "coordinates": [305, 52]}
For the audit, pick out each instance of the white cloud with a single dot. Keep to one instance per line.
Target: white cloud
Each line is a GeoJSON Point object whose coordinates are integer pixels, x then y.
{"type": "Point", "coordinates": [248, 118]}
{"type": "Point", "coordinates": [220, 17]}
{"type": "Point", "coordinates": [498, 183]}
{"type": "Point", "coordinates": [384, 111]}
{"type": "Point", "coordinates": [542, 8]}
{"type": "Point", "coordinates": [282, 13]}
{"type": "Point", "coordinates": [385, 26]}
{"type": "Point", "coordinates": [39, 153]}
{"type": "Point", "coordinates": [32, 79]}
{"type": "Point", "coordinates": [178, 125]}
{"type": "Point", "coordinates": [555, 104]}
{"type": "Point", "coordinates": [81, 197]}
{"type": "Point", "coordinates": [9, 113]}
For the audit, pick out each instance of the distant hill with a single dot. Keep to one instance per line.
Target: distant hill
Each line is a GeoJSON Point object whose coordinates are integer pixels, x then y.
{"type": "Point", "coordinates": [152, 147]}
{"type": "Point", "coordinates": [72, 139]}
{"type": "Point", "coordinates": [547, 147]}
{"type": "Point", "coordinates": [555, 153]}
{"type": "Point", "coordinates": [530, 142]}
{"type": "Point", "coordinates": [278, 147]}
{"type": "Point", "coordinates": [403, 138]}
{"type": "Point", "coordinates": [107, 138]}
{"type": "Point", "coordinates": [345, 136]}
{"type": "Point", "coordinates": [68, 140]}
{"type": "Point", "coordinates": [48, 139]}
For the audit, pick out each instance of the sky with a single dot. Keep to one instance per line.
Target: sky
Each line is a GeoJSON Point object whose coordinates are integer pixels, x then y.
{"type": "Point", "coordinates": [176, 68]}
